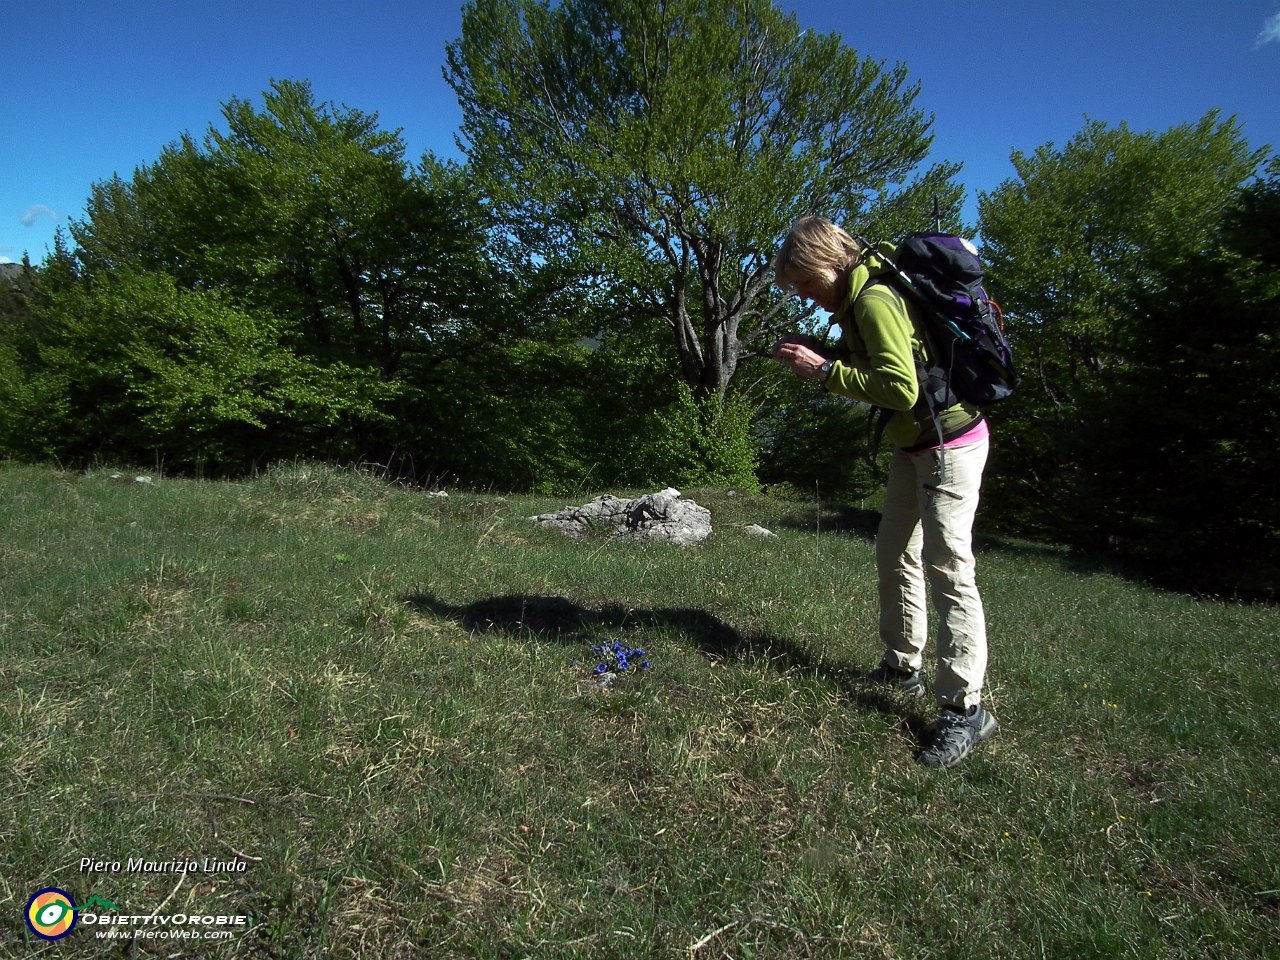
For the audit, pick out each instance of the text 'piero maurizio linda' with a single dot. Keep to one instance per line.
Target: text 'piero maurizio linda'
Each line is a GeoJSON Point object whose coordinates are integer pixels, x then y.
{"type": "Point", "coordinates": [140, 865]}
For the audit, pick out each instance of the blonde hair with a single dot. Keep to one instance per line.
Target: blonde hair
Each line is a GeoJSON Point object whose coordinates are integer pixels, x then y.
{"type": "Point", "coordinates": [815, 249]}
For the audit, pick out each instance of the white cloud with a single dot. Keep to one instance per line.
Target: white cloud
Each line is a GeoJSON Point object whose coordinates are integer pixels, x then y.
{"type": "Point", "coordinates": [35, 212]}
{"type": "Point", "coordinates": [4, 259]}
{"type": "Point", "coordinates": [1270, 32]}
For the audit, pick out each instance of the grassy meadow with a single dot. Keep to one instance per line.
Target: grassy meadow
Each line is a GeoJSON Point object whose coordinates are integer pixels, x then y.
{"type": "Point", "coordinates": [380, 702]}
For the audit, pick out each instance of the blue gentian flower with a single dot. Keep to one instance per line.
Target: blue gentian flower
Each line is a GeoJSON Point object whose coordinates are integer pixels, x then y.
{"type": "Point", "coordinates": [617, 657]}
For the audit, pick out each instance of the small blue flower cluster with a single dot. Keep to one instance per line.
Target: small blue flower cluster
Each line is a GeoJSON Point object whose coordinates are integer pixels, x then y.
{"type": "Point", "coordinates": [618, 657]}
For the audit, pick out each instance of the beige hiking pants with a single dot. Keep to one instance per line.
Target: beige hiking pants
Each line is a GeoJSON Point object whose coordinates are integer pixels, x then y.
{"type": "Point", "coordinates": [926, 531]}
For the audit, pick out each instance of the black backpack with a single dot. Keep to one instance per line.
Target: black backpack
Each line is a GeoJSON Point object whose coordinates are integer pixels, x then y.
{"type": "Point", "coordinates": [969, 357]}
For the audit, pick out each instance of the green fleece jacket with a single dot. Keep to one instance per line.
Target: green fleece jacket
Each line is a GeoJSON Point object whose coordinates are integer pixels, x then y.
{"type": "Point", "coordinates": [879, 344]}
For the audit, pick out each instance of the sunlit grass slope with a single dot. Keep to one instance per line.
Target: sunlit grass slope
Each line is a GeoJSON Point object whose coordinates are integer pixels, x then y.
{"type": "Point", "coordinates": [380, 702]}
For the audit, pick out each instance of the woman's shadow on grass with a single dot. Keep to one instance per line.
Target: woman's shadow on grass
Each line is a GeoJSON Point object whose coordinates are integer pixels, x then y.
{"type": "Point", "coordinates": [561, 619]}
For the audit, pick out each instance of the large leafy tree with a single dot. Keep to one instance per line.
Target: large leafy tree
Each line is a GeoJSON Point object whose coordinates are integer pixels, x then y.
{"type": "Point", "coordinates": [17, 288]}
{"type": "Point", "coordinates": [1073, 241]}
{"type": "Point", "coordinates": [1182, 443]}
{"type": "Point", "coordinates": [308, 210]}
{"type": "Point", "coordinates": [290, 285]}
{"type": "Point", "coordinates": [658, 149]}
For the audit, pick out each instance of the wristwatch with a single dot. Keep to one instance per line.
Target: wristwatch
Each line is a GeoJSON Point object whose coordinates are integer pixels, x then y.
{"type": "Point", "coordinates": [826, 368]}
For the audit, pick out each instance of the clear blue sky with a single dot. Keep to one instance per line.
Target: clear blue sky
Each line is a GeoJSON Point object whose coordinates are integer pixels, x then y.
{"type": "Point", "coordinates": [89, 88]}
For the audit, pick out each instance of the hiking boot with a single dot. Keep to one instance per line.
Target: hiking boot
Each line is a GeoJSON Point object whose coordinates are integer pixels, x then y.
{"type": "Point", "coordinates": [955, 735]}
{"type": "Point", "coordinates": [909, 682]}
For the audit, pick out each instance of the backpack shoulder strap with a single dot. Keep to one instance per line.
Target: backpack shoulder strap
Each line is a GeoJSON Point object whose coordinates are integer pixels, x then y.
{"type": "Point", "coordinates": [880, 280]}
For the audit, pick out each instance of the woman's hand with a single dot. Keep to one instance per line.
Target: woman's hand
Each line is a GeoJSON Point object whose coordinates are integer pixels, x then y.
{"type": "Point", "coordinates": [797, 353]}
{"type": "Point", "coordinates": [800, 339]}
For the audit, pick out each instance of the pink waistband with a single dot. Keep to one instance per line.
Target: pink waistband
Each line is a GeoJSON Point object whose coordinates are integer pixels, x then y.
{"type": "Point", "coordinates": [980, 431]}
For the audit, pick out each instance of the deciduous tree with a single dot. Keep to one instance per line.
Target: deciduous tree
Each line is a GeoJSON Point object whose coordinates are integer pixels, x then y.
{"type": "Point", "coordinates": [661, 148]}
{"type": "Point", "coordinates": [311, 211]}
{"type": "Point", "coordinates": [1180, 446]}
{"type": "Point", "coordinates": [1072, 241]}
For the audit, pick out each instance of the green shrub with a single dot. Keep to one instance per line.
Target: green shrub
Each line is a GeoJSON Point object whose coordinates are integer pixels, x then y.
{"type": "Point", "coordinates": [136, 364]}
{"type": "Point", "coordinates": [707, 442]}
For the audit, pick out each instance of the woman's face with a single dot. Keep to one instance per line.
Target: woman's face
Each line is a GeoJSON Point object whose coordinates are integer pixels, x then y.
{"type": "Point", "coordinates": [825, 295]}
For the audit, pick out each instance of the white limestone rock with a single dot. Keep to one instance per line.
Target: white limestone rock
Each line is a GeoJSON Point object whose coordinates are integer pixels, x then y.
{"type": "Point", "coordinates": [661, 516]}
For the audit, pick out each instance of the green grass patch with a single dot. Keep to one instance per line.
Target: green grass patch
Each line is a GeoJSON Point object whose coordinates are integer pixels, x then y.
{"type": "Point", "coordinates": [380, 703]}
